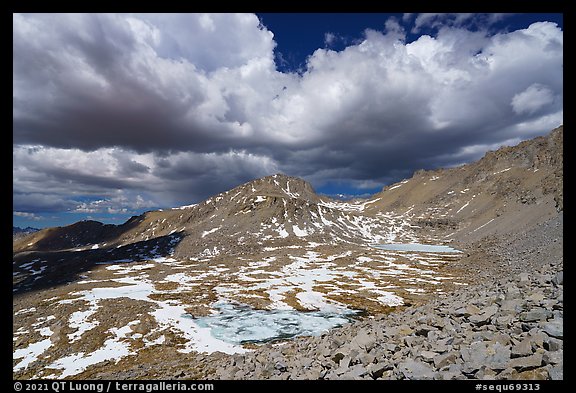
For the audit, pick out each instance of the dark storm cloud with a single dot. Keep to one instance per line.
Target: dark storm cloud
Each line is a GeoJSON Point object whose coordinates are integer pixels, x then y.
{"type": "Point", "coordinates": [174, 108]}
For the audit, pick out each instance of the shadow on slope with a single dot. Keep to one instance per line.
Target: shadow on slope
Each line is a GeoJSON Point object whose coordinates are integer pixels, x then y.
{"type": "Point", "coordinates": [38, 270]}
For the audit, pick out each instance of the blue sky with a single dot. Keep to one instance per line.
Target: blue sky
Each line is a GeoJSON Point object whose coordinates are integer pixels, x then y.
{"type": "Point", "coordinates": [116, 114]}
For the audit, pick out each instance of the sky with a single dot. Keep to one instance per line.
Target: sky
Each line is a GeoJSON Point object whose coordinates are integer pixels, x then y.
{"type": "Point", "coordinates": [117, 114]}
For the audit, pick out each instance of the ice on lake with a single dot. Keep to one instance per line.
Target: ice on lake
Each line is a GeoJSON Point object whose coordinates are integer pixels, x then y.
{"type": "Point", "coordinates": [417, 247]}
{"type": "Point", "coordinates": [238, 324]}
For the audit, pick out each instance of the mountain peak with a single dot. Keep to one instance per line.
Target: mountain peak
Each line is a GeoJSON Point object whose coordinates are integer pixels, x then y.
{"type": "Point", "coordinates": [279, 185]}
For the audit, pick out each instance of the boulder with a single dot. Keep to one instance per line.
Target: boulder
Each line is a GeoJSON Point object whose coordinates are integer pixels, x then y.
{"type": "Point", "coordinates": [376, 370]}
{"type": "Point", "coordinates": [454, 371]}
{"type": "Point", "coordinates": [354, 372]}
{"type": "Point", "coordinates": [556, 372]}
{"type": "Point", "coordinates": [535, 314]}
{"type": "Point", "coordinates": [415, 369]}
{"type": "Point", "coordinates": [553, 328]}
{"type": "Point", "coordinates": [428, 356]}
{"type": "Point", "coordinates": [553, 344]}
{"type": "Point", "coordinates": [492, 355]}
{"type": "Point", "coordinates": [555, 357]}
{"type": "Point", "coordinates": [364, 340]}
{"type": "Point", "coordinates": [558, 278]}
{"type": "Point", "coordinates": [523, 348]}
{"type": "Point", "coordinates": [526, 362]}
{"type": "Point", "coordinates": [535, 374]}
{"type": "Point", "coordinates": [486, 312]}
{"type": "Point", "coordinates": [445, 359]}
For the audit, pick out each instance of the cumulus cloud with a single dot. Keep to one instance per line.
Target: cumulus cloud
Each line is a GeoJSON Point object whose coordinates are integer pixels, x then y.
{"type": "Point", "coordinates": [435, 20]}
{"type": "Point", "coordinates": [28, 216]}
{"type": "Point", "coordinates": [329, 38]}
{"type": "Point", "coordinates": [174, 108]}
{"type": "Point", "coordinates": [534, 98]}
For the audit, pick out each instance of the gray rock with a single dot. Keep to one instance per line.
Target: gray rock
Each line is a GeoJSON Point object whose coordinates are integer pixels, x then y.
{"type": "Point", "coordinates": [553, 344]}
{"type": "Point", "coordinates": [524, 278]}
{"type": "Point", "coordinates": [415, 369]}
{"type": "Point", "coordinates": [412, 341]}
{"type": "Point", "coordinates": [366, 358]}
{"type": "Point", "coordinates": [535, 314]}
{"type": "Point", "coordinates": [377, 369]}
{"type": "Point", "coordinates": [454, 371]}
{"type": "Point", "coordinates": [537, 374]}
{"type": "Point", "coordinates": [506, 374]}
{"type": "Point", "coordinates": [524, 348]}
{"type": "Point", "coordinates": [485, 373]}
{"type": "Point", "coordinates": [555, 357]}
{"type": "Point", "coordinates": [364, 339]}
{"type": "Point", "coordinates": [354, 372]}
{"type": "Point", "coordinates": [513, 293]}
{"type": "Point", "coordinates": [526, 362]}
{"type": "Point", "coordinates": [537, 337]}
{"type": "Point", "coordinates": [445, 359]}
{"type": "Point", "coordinates": [281, 366]}
{"type": "Point", "coordinates": [423, 330]}
{"type": "Point", "coordinates": [553, 328]}
{"type": "Point", "coordinates": [493, 355]}
{"type": "Point", "coordinates": [556, 372]}
{"type": "Point", "coordinates": [558, 278]}
{"type": "Point", "coordinates": [511, 306]}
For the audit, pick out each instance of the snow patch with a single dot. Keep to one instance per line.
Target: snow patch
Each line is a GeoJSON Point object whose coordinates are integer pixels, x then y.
{"type": "Point", "coordinates": [205, 233]}
{"type": "Point", "coordinates": [299, 232]}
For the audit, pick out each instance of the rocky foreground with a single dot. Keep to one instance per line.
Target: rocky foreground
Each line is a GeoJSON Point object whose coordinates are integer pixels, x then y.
{"type": "Point", "coordinates": [511, 329]}
{"type": "Point", "coordinates": [507, 328]}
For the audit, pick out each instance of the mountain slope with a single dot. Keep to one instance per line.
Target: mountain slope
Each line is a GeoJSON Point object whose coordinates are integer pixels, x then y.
{"type": "Point", "coordinates": [511, 189]}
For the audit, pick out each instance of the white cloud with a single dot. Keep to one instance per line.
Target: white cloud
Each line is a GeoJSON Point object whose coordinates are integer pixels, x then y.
{"type": "Point", "coordinates": [329, 38]}
{"type": "Point", "coordinates": [28, 216]}
{"type": "Point", "coordinates": [175, 107]}
{"type": "Point", "coordinates": [534, 98]}
{"type": "Point", "coordinates": [443, 20]}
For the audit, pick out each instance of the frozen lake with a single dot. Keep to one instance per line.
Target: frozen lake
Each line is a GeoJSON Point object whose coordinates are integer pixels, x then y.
{"type": "Point", "coordinates": [416, 247]}
{"type": "Point", "coordinates": [238, 324]}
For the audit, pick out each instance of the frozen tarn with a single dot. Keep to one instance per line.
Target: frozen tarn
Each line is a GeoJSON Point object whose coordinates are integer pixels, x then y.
{"type": "Point", "coordinates": [416, 247]}
{"type": "Point", "coordinates": [238, 324]}
{"type": "Point", "coordinates": [199, 338]}
{"type": "Point", "coordinates": [168, 314]}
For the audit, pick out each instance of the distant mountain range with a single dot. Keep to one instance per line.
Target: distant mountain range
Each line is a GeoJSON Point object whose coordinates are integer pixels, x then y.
{"type": "Point", "coordinates": [19, 232]}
